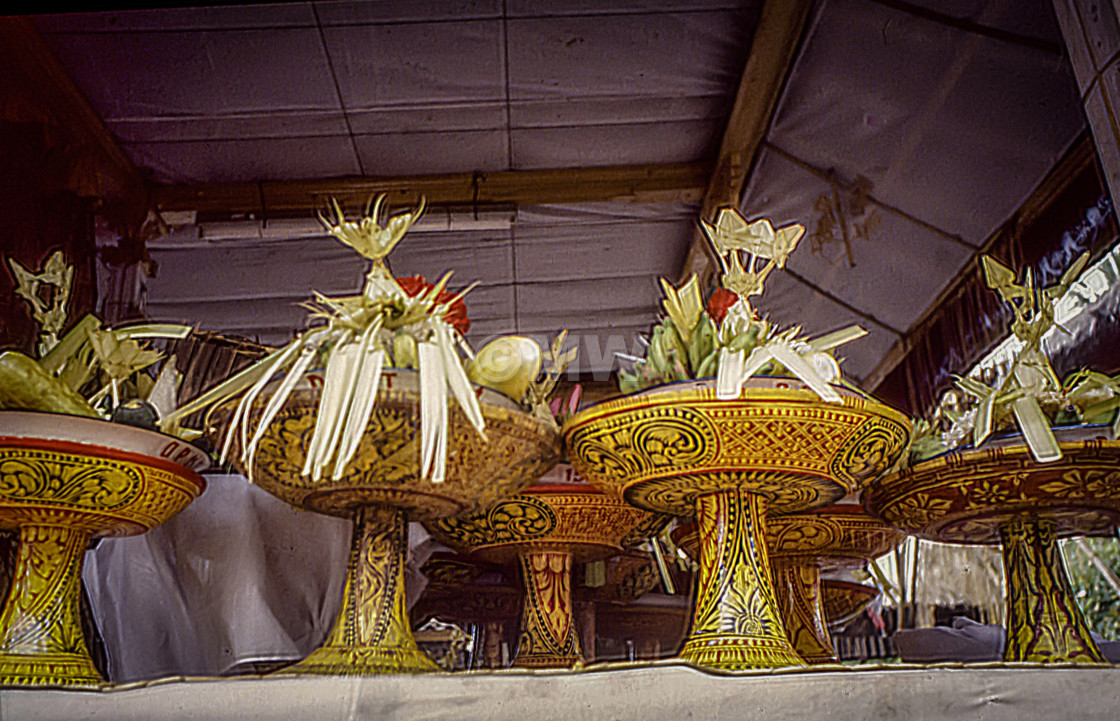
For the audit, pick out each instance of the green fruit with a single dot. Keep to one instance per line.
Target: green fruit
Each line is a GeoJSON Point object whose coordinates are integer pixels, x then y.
{"type": "Point", "coordinates": [24, 385]}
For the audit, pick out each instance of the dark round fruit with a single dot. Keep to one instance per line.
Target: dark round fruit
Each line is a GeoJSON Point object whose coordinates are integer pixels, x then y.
{"type": "Point", "coordinates": [136, 412]}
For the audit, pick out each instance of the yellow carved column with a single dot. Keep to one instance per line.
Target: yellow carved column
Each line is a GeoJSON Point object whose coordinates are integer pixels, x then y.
{"type": "Point", "coordinates": [736, 623]}
{"type": "Point", "coordinates": [1044, 623]}
{"type": "Point", "coordinates": [548, 635]}
{"type": "Point", "coordinates": [372, 633]}
{"type": "Point", "coordinates": [40, 633]}
{"type": "Point", "coordinates": [798, 585]}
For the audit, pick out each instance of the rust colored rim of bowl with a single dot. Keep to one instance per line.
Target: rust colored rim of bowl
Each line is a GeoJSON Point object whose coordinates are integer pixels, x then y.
{"type": "Point", "coordinates": [883, 494]}
{"type": "Point", "coordinates": [116, 454]}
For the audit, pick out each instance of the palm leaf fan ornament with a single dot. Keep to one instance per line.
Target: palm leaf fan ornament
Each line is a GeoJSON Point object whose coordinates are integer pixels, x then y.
{"type": "Point", "coordinates": [732, 236]}
{"type": "Point", "coordinates": [359, 336]}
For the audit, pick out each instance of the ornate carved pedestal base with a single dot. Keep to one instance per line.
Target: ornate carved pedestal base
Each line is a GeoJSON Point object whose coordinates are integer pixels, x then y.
{"type": "Point", "coordinates": [799, 597]}
{"type": "Point", "coordinates": [548, 634]}
{"type": "Point", "coordinates": [1044, 623]}
{"type": "Point", "coordinates": [372, 633]}
{"type": "Point", "coordinates": [736, 624]}
{"type": "Point", "coordinates": [41, 640]}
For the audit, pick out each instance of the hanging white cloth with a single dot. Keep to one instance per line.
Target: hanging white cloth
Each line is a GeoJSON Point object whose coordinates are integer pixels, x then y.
{"type": "Point", "coordinates": [238, 578]}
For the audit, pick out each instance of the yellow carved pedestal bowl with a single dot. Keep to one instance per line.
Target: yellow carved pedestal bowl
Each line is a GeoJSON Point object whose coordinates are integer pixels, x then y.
{"type": "Point", "coordinates": [844, 600]}
{"type": "Point", "coordinates": [777, 448]}
{"type": "Point", "coordinates": [839, 537]}
{"type": "Point", "coordinates": [381, 490]}
{"type": "Point", "coordinates": [998, 494]}
{"type": "Point", "coordinates": [63, 480]}
{"type": "Point", "coordinates": [552, 524]}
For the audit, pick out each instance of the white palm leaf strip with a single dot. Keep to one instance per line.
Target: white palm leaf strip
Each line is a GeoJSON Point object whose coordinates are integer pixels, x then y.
{"type": "Point", "coordinates": [259, 379]}
{"type": "Point", "coordinates": [308, 354]}
{"type": "Point", "coordinates": [1032, 421]}
{"type": "Point", "coordinates": [327, 415]}
{"type": "Point", "coordinates": [792, 360]}
{"type": "Point", "coordinates": [982, 424]}
{"type": "Point", "coordinates": [457, 379]}
{"type": "Point", "coordinates": [1036, 429]}
{"type": "Point", "coordinates": [729, 378]}
{"type": "Point", "coordinates": [259, 387]}
{"type": "Point", "coordinates": [368, 381]}
{"type": "Point", "coordinates": [231, 386]}
{"type": "Point", "coordinates": [829, 341]}
{"type": "Point", "coordinates": [433, 413]}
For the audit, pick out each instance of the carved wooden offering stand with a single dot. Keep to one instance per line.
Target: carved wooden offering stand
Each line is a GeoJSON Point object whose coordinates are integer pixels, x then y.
{"type": "Point", "coordinates": [844, 600]}
{"type": "Point", "coordinates": [556, 522]}
{"type": "Point", "coordinates": [380, 491]}
{"type": "Point", "coordinates": [63, 480]}
{"type": "Point", "coordinates": [777, 448]}
{"type": "Point", "coordinates": [835, 538]}
{"type": "Point", "coordinates": [999, 494]}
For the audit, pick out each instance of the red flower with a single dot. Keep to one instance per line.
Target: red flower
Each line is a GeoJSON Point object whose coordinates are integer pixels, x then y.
{"type": "Point", "coordinates": [456, 315]}
{"type": "Point", "coordinates": [719, 302]}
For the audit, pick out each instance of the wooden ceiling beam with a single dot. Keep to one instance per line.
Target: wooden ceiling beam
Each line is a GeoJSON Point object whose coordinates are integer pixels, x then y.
{"type": "Point", "coordinates": [773, 48]}
{"type": "Point", "coordinates": [671, 182]}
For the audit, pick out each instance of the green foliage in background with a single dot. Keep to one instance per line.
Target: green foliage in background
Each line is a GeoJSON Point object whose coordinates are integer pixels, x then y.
{"type": "Point", "coordinates": [1099, 601]}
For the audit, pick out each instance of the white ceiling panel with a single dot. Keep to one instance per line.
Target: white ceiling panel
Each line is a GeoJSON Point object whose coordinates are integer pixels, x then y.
{"type": "Point", "coordinates": [893, 273]}
{"type": "Point", "coordinates": [479, 256]}
{"type": "Point", "coordinates": [190, 269]}
{"type": "Point", "coordinates": [613, 144]}
{"type": "Point", "coordinates": [570, 57]}
{"type": "Point", "coordinates": [419, 63]}
{"type": "Point", "coordinates": [549, 8]}
{"type": "Point", "coordinates": [239, 126]}
{"type": "Point", "coordinates": [361, 12]}
{"type": "Point", "coordinates": [592, 303]}
{"type": "Point", "coordinates": [788, 302]}
{"type": "Point", "coordinates": [229, 161]}
{"type": "Point", "coordinates": [424, 153]}
{"type": "Point", "coordinates": [949, 126]}
{"type": "Point", "coordinates": [429, 118]}
{"type": "Point", "coordinates": [597, 250]}
{"type": "Point", "coordinates": [171, 74]}
{"type": "Point", "coordinates": [616, 111]}
{"type": "Point", "coordinates": [1013, 18]}
{"type": "Point", "coordinates": [217, 17]}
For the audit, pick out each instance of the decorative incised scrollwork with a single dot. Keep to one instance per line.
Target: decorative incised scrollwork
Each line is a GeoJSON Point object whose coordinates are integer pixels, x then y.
{"type": "Point", "coordinates": [548, 636]}
{"type": "Point", "coordinates": [585, 522]}
{"type": "Point", "coordinates": [385, 468]}
{"type": "Point", "coordinates": [57, 499]}
{"type": "Point", "coordinates": [1044, 623]}
{"type": "Point", "coordinates": [799, 598]}
{"type": "Point", "coordinates": [647, 441]}
{"type": "Point", "coordinates": [844, 600]}
{"type": "Point", "coordinates": [965, 497]}
{"type": "Point", "coordinates": [661, 451]}
{"type": "Point", "coordinates": [869, 452]}
{"type": "Point", "coordinates": [519, 519]}
{"type": "Point", "coordinates": [371, 634]}
{"type": "Point", "coordinates": [735, 622]}
{"type": "Point", "coordinates": [30, 476]}
{"type": "Point", "coordinates": [40, 632]}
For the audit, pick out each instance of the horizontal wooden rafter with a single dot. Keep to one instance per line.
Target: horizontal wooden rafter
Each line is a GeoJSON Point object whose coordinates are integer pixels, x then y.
{"type": "Point", "coordinates": [670, 182]}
